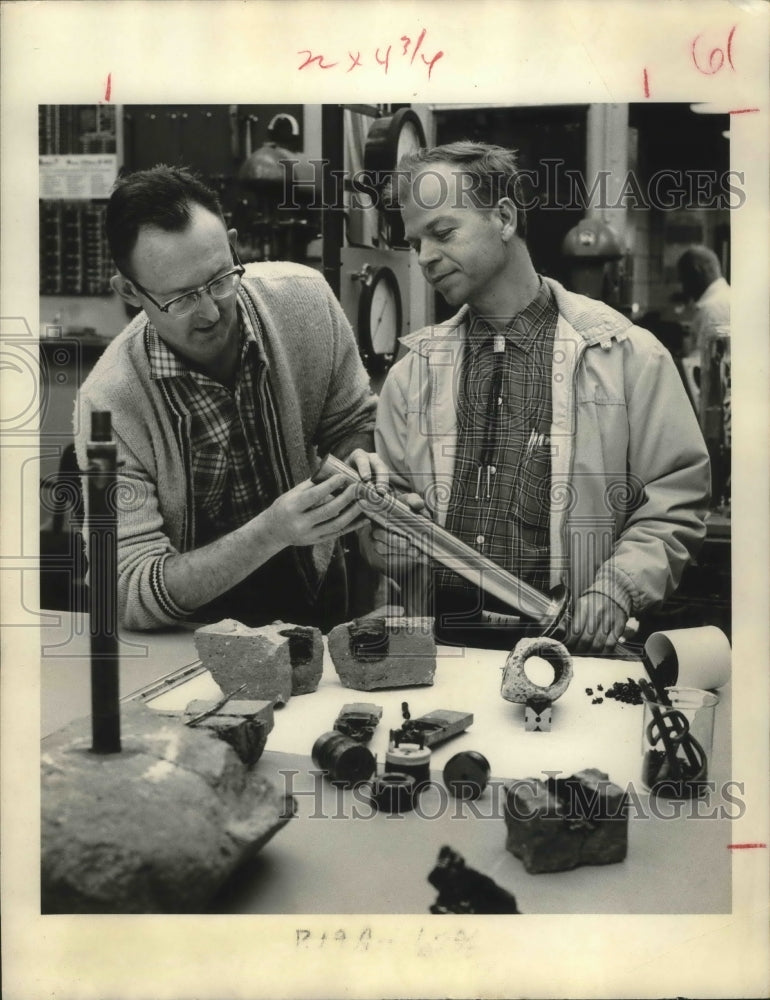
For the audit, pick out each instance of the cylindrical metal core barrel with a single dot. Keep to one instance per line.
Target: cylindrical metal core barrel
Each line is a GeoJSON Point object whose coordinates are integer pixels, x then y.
{"type": "Point", "coordinates": [343, 759]}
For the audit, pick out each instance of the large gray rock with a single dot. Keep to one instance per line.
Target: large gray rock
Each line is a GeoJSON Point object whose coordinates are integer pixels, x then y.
{"type": "Point", "coordinates": [263, 659]}
{"type": "Point", "coordinates": [371, 653]}
{"type": "Point", "coordinates": [561, 823]}
{"type": "Point", "coordinates": [156, 828]}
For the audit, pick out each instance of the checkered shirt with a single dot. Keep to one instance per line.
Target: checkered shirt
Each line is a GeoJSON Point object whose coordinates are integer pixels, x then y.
{"type": "Point", "coordinates": [509, 522]}
{"type": "Point", "coordinates": [232, 473]}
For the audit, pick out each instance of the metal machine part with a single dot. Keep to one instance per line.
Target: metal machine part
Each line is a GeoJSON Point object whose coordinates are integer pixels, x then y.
{"type": "Point", "coordinates": [437, 727]}
{"type": "Point", "coordinates": [409, 758]}
{"type": "Point", "coordinates": [466, 774]}
{"type": "Point", "coordinates": [464, 890]}
{"type": "Point", "coordinates": [393, 792]}
{"type": "Point", "coordinates": [357, 720]}
{"type": "Point", "coordinates": [551, 611]}
{"type": "Point", "coordinates": [345, 761]}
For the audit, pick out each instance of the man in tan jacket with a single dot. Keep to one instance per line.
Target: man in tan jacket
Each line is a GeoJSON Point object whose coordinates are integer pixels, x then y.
{"type": "Point", "coordinates": [540, 426]}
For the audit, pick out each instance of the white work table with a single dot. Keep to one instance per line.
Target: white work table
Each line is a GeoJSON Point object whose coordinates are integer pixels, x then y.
{"type": "Point", "coordinates": [334, 857]}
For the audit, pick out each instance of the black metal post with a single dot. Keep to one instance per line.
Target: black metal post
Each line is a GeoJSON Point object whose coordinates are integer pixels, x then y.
{"type": "Point", "coordinates": [103, 588]}
{"type": "Point", "coordinates": [332, 217]}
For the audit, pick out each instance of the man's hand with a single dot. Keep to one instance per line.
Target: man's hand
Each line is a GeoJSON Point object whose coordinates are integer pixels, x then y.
{"type": "Point", "coordinates": [389, 551]}
{"type": "Point", "coordinates": [370, 467]}
{"type": "Point", "coordinates": [311, 513]}
{"type": "Point", "coordinates": [597, 624]}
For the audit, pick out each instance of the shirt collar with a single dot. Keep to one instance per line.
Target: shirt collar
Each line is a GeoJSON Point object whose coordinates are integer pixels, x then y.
{"type": "Point", "coordinates": [715, 289]}
{"type": "Point", "coordinates": [522, 329]}
{"type": "Point", "coordinates": [167, 363]}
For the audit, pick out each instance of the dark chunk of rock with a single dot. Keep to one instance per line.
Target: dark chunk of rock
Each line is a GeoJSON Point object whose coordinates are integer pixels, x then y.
{"type": "Point", "coordinates": [565, 822]}
{"type": "Point", "coordinates": [464, 890]}
{"type": "Point", "coordinates": [259, 658]}
{"type": "Point", "coordinates": [156, 828]}
{"type": "Point", "coordinates": [245, 725]}
{"type": "Point", "coordinates": [306, 652]}
{"type": "Point", "coordinates": [371, 653]}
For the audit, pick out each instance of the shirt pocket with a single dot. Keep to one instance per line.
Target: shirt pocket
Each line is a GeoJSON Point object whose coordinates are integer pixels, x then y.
{"type": "Point", "coordinates": [530, 507]}
{"type": "Point", "coordinates": [210, 465]}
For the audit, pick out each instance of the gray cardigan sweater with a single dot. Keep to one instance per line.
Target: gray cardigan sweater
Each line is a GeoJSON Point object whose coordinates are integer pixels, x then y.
{"type": "Point", "coordinates": [323, 401]}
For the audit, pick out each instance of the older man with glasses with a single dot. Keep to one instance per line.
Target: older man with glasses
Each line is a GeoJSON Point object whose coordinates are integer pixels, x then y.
{"type": "Point", "coordinates": [223, 391]}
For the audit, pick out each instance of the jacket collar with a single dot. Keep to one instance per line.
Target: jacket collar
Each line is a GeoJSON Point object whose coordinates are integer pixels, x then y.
{"type": "Point", "coordinates": [594, 321]}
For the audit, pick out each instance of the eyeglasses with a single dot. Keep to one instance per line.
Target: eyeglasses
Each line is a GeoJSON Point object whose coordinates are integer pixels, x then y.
{"type": "Point", "coordinates": [186, 303]}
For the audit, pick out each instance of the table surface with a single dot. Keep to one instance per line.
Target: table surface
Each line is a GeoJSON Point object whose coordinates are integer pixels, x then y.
{"type": "Point", "coordinates": [336, 857]}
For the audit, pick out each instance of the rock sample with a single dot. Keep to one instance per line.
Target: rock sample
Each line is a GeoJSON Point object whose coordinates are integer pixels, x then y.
{"type": "Point", "coordinates": [517, 687]}
{"type": "Point", "coordinates": [245, 725]}
{"type": "Point", "coordinates": [273, 661]}
{"type": "Point", "coordinates": [306, 652]}
{"type": "Point", "coordinates": [156, 828]}
{"type": "Point", "coordinates": [565, 822]}
{"type": "Point", "coordinates": [371, 653]}
{"type": "Point", "coordinates": [464, 890]}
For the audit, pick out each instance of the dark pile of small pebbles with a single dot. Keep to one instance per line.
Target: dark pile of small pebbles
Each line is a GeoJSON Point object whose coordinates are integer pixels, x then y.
{"type": "Point", "coordinates": [628, 692]}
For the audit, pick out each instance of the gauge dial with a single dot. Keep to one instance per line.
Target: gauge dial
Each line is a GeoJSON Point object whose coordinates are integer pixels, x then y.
{"type": "Point", "coordinates": [388, 140]}
{"type": "Point", "coordinates": [379, 319]}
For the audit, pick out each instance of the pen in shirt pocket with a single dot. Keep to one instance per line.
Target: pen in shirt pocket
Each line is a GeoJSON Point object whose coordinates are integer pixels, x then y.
{"type": "Point", "coordinates": [537, 439]}
{"type": "Point", "coordinates": [530, 444]}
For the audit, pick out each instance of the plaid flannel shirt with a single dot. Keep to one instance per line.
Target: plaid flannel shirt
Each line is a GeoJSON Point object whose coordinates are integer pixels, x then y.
{"type": "Point", "coordinates": [231, 469]}
{"type": "Point", "coordinates": [505, 516]}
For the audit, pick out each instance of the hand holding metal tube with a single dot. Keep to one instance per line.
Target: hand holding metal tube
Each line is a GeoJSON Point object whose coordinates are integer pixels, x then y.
{"type": "Point", "coordinates": [436, 542]}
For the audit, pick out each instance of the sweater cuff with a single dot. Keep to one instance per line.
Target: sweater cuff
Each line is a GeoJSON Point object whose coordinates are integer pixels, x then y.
{"type": "Point", "coordinates": [613, 584]}
{"type": "Point", "coordinates": [158, 586]}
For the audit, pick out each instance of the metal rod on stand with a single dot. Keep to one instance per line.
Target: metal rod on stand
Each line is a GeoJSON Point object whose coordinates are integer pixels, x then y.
{"type": "Point", "coordinates": [549, 610]}
{"type": "Point", "coordinates": [103, 586]}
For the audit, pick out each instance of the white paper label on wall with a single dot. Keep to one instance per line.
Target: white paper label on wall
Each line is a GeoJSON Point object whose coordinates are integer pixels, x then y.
{"type": "Point", "coordinates": [90, 175]}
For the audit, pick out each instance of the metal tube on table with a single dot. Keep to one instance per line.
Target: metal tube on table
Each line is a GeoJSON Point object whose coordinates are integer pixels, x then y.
{"type": "Point", "coordinates": [103, 586]}
{"type": "Point", "coordinates": [385, 509]}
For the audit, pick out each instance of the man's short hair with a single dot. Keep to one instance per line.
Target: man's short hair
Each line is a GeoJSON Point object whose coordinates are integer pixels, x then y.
{"type": "Point", "coordinates": [493, 171]}
{"type": "Point", "coordinates": [698, 267]}
{"type": "Point", "coordinates": [162, 197]}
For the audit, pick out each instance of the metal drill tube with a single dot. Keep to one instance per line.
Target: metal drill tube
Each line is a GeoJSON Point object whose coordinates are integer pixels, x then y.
{"type": "Point", "coordinates": [441, 545]}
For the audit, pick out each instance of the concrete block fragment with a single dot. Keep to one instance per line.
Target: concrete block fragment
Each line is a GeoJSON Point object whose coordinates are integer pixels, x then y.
{"type": "Point", "coordinates": [245, 725]}
{"type": "Point", "coordinates": [566, 822]}
{"type": "Point", "coordinates": [371, 653]}
{"type": "Point", "coordinates": [260, 658]}
{"type": "Point", "coordinates": [157, 828]}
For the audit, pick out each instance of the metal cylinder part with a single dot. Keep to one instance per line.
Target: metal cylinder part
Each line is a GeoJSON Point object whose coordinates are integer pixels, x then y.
{"type": "Point", "coordinates": [393, 792]}
{"type": "Point", "coordinates": [411, 759]}
{"type": "Point", "coordinates": [344, 760]}
{"type": "Point", "coordinates": [466, 774]}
